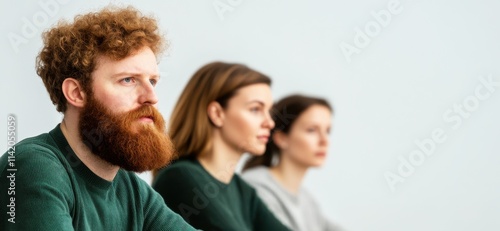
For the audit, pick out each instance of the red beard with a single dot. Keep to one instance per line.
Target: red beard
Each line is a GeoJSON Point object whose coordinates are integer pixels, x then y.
{"type": "Point", "coordinates": [121, 140]}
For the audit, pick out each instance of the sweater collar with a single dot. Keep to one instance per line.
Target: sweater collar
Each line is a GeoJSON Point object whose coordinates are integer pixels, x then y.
{"type": "Point", "coordinates": [76, 164]}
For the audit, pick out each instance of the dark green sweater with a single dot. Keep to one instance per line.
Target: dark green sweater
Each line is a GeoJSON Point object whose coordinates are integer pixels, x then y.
{"type": "Point", "coordinates": [54, 190]}
{"type": "Point", "coordinates": [208, 204]}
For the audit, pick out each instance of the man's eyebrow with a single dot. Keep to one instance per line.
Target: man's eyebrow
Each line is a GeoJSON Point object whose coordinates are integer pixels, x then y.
{"type": "Point", "coordinates": [130, 73]}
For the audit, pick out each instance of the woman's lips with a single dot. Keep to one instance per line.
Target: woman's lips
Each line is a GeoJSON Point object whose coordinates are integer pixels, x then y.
{"type": "Point", "coordinates": [320, 154]}
{"type": "Point", "coordinates": [263, 138]}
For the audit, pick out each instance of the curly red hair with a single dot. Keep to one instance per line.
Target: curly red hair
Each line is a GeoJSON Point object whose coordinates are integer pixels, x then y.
{"type": "Point", "coordinates": [70, 49]}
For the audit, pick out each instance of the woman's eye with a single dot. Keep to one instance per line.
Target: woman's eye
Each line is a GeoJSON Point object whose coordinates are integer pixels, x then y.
{"type": "Point", "coordinates": [310, 130]}
{"type": "Point", "coordinates": [254, 109]}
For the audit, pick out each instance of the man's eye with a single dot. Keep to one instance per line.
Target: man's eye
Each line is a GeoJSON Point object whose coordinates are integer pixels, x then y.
{"type": "Point", "coordinates": [127, 80]}
{"type": "Point", "coordinates": [153, 82]}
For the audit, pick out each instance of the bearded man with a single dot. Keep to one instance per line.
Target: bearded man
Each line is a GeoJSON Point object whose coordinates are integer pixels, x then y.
{"type": "Point", "coordinates": [100, 72]}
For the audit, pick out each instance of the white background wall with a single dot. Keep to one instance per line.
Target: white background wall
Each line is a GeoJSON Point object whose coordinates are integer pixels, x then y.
{"type": "Point", "coordinates": [405, 80]}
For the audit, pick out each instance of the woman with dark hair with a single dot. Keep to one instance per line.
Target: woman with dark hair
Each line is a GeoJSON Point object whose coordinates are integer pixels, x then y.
{"type": "Point", "coordinates": [298, 142]}
{"type": "Point", "coordinates": [222, 113]}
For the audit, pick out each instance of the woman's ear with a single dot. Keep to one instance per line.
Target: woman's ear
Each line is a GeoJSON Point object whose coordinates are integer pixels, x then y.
{"type": "Point", "coordinates": [280, 139]}
{"type": "Point", "coordinates": [216, 113]}
{"type": "Point", "coordinates": [73, 92]}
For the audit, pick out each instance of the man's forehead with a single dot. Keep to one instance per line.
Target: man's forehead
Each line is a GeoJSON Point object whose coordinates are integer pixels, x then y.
{"type": "Point", "coordinates": [139, 63]}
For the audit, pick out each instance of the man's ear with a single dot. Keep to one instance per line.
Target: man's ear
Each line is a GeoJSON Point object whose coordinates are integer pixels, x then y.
{"type": "Point", "coordinates": [280, 139]}
{"type": "Point", "coordinates": [216, 113]}
{"type": "Point", "coordinates": [73, 92]}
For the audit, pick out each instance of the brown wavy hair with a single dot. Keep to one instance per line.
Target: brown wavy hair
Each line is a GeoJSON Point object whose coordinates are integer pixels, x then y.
{"type": "Point", "coordinates": [190, 127]}
{"type": "Point", "coordinates": [70, 49]}
{"type": "Point", "coordinates": [284, 114]}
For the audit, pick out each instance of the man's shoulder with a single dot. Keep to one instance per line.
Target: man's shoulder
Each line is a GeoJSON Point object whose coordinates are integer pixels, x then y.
{"type": "Point", "coordinates": [41, 141]}
{"type": "Point", "coordinates": [32, 150]}
{"type": "Point", "coordinates": [37, 162]}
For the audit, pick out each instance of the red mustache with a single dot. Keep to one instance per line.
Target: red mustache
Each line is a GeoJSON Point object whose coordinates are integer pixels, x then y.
{"type": "Point", "coordinates": [145, 111]}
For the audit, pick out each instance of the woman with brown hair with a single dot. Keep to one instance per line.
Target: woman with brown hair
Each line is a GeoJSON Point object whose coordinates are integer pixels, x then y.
{"type": "Point", "coordinates": [298, 142]}
{"type": "Point", "coordinates": [222, 113]}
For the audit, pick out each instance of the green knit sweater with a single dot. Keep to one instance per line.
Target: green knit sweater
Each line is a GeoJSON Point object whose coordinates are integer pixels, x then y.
{"type": "Point", "coordinates": [51, 189]}
{"type": "Point", "coordinates": [208, 204]}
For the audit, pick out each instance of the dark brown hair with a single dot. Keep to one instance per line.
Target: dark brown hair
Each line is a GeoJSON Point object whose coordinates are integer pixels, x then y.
{"type": "Point", "coordinates": [284, 114]}
{"type": "Point", "coordinates": [70, 49]}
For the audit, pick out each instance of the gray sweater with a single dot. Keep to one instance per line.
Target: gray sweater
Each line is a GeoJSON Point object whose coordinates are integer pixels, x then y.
{"type": "Point", "coordinates": [299, 212]}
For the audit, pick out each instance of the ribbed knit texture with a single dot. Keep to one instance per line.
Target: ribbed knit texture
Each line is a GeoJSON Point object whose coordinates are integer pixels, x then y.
{"type": "Point", "coordinates": [209, 204]}
{"type": "Point", "coordinates": [54, 190]}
